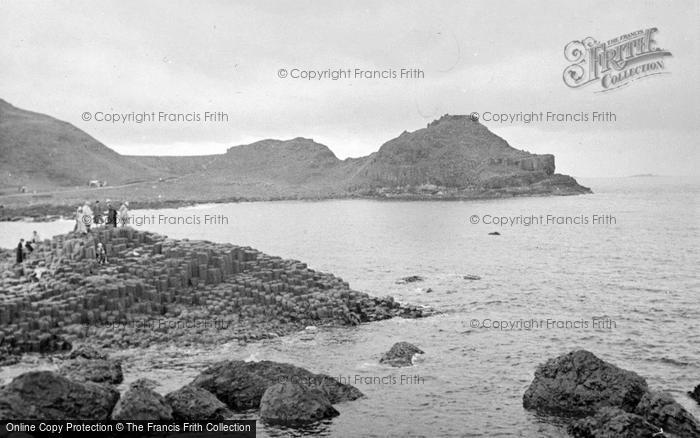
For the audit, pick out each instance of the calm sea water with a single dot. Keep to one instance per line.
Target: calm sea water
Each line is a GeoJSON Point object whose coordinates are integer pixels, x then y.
{"type": "Point", "coordinates": [636, 272]}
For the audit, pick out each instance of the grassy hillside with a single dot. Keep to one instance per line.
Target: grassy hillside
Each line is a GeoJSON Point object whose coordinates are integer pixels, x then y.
{"type": "Point", "coordinates": [41, 152]}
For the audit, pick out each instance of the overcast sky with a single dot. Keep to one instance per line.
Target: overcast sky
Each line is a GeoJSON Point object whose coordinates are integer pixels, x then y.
{"type": "Point", "coordinates": [64, 58]}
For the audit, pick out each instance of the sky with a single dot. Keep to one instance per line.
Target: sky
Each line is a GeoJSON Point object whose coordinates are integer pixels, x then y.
{"type": "Point", "coordinates": [68, 58]}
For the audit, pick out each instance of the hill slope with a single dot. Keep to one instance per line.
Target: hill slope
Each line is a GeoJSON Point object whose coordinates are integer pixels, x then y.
{"type": "Point", "coordinates": [42, 152]}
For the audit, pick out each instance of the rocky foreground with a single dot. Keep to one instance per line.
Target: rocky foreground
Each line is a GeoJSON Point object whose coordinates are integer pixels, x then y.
{"type": "Point", "coordinates": [604, 401]}
{"type": "Point", "coordinates": [282, 392]}
{"type": "Point", "coordinates": [157, 290]}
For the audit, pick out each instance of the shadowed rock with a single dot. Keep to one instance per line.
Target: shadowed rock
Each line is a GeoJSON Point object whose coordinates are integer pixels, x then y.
{"type": "Point", "coordinates": [94, 370]}
{"type": "Point", "coordinates": [192, 403]}
{"type": "Point", "coordinates": [44, 395]}
{"type": "Point", "coordinates": [695, 394]}
{"type": "Point", "coordinates": [400, 355]}
{"type": "Point", "coordinates": [662, 410]}
{"type": "Point", "coordinates": [291, 403]}
{"type": "Point", "coordinates": [579, 383]}
{"type": "Point", "coordinates": [141, 402]}
{"type": "Point", "coordinates": [241, 384]}
{"type": "Point", "coordinates": [87, 352]}
{"type": "Point", "coordinates": [612, 423]}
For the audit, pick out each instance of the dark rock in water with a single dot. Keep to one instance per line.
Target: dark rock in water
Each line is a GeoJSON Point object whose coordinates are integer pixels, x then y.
{"type": "Point", "coordinates": [494, 233]}
{"type": "Point", "coordinates": [613, 423]}
{"type": "Point", "coordinates": [662, 410]}
{"type": "Point", "coordinates": [471, 277]}
{"type": "Point", "coordinates": [292, 403]}
{"type": "Point", "coordinates": [579, 383]}
{"type": "Point", "coordinates": [141, 402]}
{"type": "Point", "coordinates": [44, 395]}
{"type": "Point", "coordinates": [400, 355]}
{"type": "Point", "coordinates": [87, 352]}
{"type": "Point", "coordinates": [241, 384]}
{"type": "Point", "coordinates": [410, 279]}
{"type": "Point", "coordinates": [94, 370]}
{"type": "Point", "coordinates": [192, 403]}
{"type": "Point", "coordinates": [428, 290]}
{"type": "Point", "coordinates": [695, 394]}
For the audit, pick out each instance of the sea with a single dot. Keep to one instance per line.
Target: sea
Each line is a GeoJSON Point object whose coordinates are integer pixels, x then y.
{"type": "Point", "coordinates": [614, 272]}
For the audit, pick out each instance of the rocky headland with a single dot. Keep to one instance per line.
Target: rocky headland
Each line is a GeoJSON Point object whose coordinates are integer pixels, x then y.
{"type": "Point", "coordinates": [46, 165]}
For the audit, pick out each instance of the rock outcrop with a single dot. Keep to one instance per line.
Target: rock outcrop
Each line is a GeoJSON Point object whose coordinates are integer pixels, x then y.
{"type": "Point", "coordinates": [579, 383]}
{"type": "Point", "coordinates": [695, 394]}
{"type": "Point", "coordinates": [192, 403]}
{"type": "Point", "coordinates": [141, 402]}
{"type": "Point", "coordinates": [241, 384]}
{"type": "Point", "coordinates": [400, 355]}
{"type": "Point", "coordinates": [292, 404]}
{"type": "Point", "coordinates": [613, 423]}
{"type": "Point", "coordinates": [159, 290]}
{"type": "Point", "coordinates": [662, 410]}
{"type": "Point", "coordinates": [44, 395]}
{"type": "Point", "coordinates": [617, 402]}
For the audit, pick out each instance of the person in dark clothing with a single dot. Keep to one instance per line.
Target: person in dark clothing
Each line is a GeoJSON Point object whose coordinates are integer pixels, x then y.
{"type": "Point", "coordinates": [28, 246]}
{"type": "Point", "coordinates": [97, 218]}
{"type": "Point", "coordinates": [112, 216]}
{"type": "Point", "coordinates": [20, 251]}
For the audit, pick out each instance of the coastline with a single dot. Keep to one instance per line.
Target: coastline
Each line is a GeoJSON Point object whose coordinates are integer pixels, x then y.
{"type": "Point", "coordinates": [65, 208]}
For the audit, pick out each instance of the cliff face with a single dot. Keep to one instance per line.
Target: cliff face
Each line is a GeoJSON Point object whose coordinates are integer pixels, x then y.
{"type": "Point", "coordinates": [456, 152]}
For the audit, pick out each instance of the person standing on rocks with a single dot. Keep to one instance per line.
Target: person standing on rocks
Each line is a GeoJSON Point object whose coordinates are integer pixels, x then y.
{"type": "Point", "coordinates": [97, 218]}
{"type": "Point", "coordinates": [87, 217]}
{"type": "Point", "coordinates": [101, 254]}
{"type": "Point", "coordinates": [124, 213]}
{"type": "Point", "coordinates": [35, 237]}
{"type": "Point", "coordinates": [111, 216]}
{"type": "Point", "coordinates": [20, 251]}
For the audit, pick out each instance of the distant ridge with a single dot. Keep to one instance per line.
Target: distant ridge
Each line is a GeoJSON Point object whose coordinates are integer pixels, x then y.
{"type": "Point", "coordinates": [451, 157]}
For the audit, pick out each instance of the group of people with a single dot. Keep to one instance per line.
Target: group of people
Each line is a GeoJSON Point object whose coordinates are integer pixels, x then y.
{"type": "Point", "coordinates": [24, 248]}
{"type": "Point", "coordinates": [86, 216]}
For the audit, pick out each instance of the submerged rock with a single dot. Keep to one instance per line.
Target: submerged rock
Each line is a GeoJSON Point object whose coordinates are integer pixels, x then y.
{"type": "Point", "coordinates": [613, 423]}
{"type": "Point", "coordinates": [141, 402]}
{"type": "Point", "coordinates": [579, 383]}
{"type": "Point", "coordinates": [663, 411]}
{"type": "Point", "coordinates": [291, 403]}
{"type": "Point", "coordinates": [410, 279]}
{"type": "Point", "coordinates": [494, 233]}
{"type": "Point", "coordinates": [44, 395]}
{"type": "Point", "coordinates": [241, 384]}
{"type": "Point", "coordinates": [471, 277]}
{"type": "Point", "coordinates": [400, 355]}
{"type": "Point", "coordinates": [192, 403]}
{"type": "Point", "coordinates": [94, 370]}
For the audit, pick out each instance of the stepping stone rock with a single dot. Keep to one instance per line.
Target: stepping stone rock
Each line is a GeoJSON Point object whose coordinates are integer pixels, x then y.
{"type": "Point", "coordinates": [291, 403]}
{"type": "Point", "coordinates": [141, 402]}
{"type": "Point", "coordinates": [400, 355]}
{"type": "Point", "coordinates": [192, 403]}
{"type": "Point", "coordinates": [580, 383]}
{"type": "Point", "coordinates": [44, 395]}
